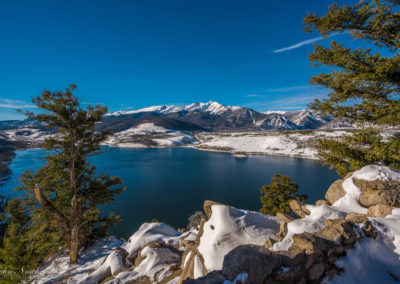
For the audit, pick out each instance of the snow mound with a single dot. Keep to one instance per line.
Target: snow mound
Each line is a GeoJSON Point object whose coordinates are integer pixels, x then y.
{"type": "Point", "coordinates": [228, 228]}
{"type": "Point", "coordinates": [113, 262]}
{"type": "Point", "coordinates": [375, 172]}
{"type": "Point", "coordinates": [154, 265]}
{"type": "Point", "coordinates": [350, 202]}
{"type": "Point", "coordinates": [151, 232]}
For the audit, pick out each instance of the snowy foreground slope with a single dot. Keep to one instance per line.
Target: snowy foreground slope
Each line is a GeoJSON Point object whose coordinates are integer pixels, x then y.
{"type": "Point", "coordinates": [352, 237]}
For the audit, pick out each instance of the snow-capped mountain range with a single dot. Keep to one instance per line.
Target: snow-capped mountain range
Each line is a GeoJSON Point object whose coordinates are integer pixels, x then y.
{"type": "Point", "coordinates": [210, 107]}
{"type": "Point", "coordinates": [213, 116]}
{"type": "Point", "coordinates": [210, 116]}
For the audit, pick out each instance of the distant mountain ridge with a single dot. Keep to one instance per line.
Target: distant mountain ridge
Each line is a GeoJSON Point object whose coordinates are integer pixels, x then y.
{"type": "Point", "coordinates": [210, 116]}
{"type": "Point", "coordinates": [213, 116]}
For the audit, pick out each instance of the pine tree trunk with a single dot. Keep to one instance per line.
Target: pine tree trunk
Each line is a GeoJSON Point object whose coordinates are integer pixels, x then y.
{"type": "Point", "coordinates": [73, 245]}
{"type": "Point", "coordinates": [74, 242]}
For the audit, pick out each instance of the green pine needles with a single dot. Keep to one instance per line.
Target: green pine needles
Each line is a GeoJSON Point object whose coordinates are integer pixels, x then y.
{"type": "Point", "coordinates": [364, 85]}
{"type": "Point", "coordinates": [275, 197]}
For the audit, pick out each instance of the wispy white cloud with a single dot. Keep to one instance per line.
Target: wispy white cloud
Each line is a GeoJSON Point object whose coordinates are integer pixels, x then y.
{"type": "Point", "coordinates": [304, 42]}
{"type": "Point", "coordinates": [15, 104]}
{"type": "Point", "coordinates": [252, 95]}
{"type": "Point", "coordinates": [294, 101]}
{"type": "Point", "coordinates": [288, 89]}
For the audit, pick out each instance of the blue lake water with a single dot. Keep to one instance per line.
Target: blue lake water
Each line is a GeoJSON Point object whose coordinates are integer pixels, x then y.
{"type": "Point", "coordinates": [171, 184]}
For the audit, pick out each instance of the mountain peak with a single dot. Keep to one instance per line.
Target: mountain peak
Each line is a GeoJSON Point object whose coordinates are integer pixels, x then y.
{"type": "Point", "coordinates": [210, 107]}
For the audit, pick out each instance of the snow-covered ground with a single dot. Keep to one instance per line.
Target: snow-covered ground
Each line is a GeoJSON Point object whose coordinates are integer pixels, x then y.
{"type": "Point", "coordinates": [149, 135]}
{"type": "Point", "coordinates": [287, 143]}
{"type": "Point", "coordinates": [372, 260]}
{"type": "Point", "coordinates": [296, 144]}
{"type": "Point", "coordinates": [292, 143]}
{"type": "Point", "coordinates": [25, 134]}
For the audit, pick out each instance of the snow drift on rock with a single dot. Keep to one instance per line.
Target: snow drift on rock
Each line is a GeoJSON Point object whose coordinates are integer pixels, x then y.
{"type": "Point", "coordinates": [228, 228]}
{"type": "Point", "coordinates": [151, 232]}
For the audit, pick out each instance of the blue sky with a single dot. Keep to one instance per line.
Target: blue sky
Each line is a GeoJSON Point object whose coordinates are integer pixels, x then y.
{"type": "Point", "coordinates": [132, 54]}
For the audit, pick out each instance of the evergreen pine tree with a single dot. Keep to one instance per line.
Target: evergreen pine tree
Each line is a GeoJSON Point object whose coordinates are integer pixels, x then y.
{"type": "Point", "coordinates": [365, 85]}
{"type": "Point", "coordinates": [67, 189]}
{"type": "Point", "coordinates": [14, 253]}
{"type": "Point", "coordinates": [275, 197]}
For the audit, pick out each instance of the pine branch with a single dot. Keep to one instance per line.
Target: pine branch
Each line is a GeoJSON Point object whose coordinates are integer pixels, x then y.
{"type": "Point", "coordinates": [57, 215]}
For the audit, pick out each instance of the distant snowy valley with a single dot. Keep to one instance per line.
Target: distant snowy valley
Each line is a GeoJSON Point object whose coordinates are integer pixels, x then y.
{"type": "Point", "coordinates": [205, 126]}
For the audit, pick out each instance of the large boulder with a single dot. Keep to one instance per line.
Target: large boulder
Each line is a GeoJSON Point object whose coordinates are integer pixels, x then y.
{"type": "Point", "coordinates": [335, 191]}
{"type": "Point", "coordinates": [378, 192]}
{"type": "Point", "coordinates": [257, 262]}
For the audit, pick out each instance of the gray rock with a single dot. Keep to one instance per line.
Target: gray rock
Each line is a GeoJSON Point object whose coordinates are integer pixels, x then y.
{"type": "Point", "coordinates": [256, 261]}
{"type": "Point", "coordinates": [316, 272]}
{"type": "Point", "coordinates": [214, 277]}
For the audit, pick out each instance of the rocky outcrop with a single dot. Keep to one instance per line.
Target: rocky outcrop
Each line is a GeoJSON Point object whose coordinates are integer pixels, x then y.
{"type": "Point", "coordinates": [311, 257]}
{"type": "Point", "coordinates": [225, 229]}
{"type": "Point", "coordinates": [378, 192]}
